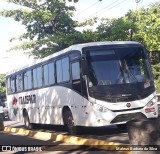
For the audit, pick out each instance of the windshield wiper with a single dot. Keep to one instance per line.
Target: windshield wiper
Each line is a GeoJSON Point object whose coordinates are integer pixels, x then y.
{"type": "Point", "coordinates": [125, 71]}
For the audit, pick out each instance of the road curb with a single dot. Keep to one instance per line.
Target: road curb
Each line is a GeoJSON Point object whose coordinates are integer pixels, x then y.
{"type": "Point", "coordinates": [99, 144]}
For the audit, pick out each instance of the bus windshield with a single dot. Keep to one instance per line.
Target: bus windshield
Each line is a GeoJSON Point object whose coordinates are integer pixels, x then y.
{"type": "Point", "coordinates": [114, 68]}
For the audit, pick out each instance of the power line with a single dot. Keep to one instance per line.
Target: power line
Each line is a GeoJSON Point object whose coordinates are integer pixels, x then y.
{"type": "Point", "coordinates": [87, 8]}
{"type": "Point", "coordinates": [105, 7]}
{"type": "Point", "coordinates": [108, 6]}
{"type": "Point", "coordinates": [113, 7]}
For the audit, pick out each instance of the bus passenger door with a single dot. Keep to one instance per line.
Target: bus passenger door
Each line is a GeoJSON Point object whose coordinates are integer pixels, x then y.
{"type": "Point", "coordinates": [78, 99]}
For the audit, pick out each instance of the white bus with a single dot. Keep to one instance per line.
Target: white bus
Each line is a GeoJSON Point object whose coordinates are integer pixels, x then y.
{"type": "Point", "coordinates": [92, 84]}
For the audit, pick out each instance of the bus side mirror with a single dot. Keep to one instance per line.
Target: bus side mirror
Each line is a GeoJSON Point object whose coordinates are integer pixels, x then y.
{"type": "Point", "coordinates": [84, 66]}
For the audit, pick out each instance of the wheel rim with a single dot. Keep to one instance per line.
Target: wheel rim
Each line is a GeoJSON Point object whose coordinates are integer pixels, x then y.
{"type": "Point", "coordinates": [26, 122]}
{"type": "Point", "coordinates": [70, 122]}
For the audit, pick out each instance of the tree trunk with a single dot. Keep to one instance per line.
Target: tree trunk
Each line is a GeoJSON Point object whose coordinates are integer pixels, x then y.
{"type": "Point", "coordinates": [144, 135]}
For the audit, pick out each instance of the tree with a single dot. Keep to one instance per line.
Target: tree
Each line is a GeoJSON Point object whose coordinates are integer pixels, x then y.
{"type": "Point", "coordinates": [115, 29]}
{"type": "Point", "coordinates": [147, 26]}
{"type": "Point", "coordinates": [144, 22]}
{"type": "Point", "coordinates": [2, 86]}
{"type": "Point", "coordinates": [49, 25]}
{"type": "Point", "coordinates": [45, 23]}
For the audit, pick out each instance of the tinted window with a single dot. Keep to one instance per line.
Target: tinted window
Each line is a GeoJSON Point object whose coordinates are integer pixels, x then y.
{"type": "Point", "coordinates": [62, 70]}
{"type": "Point", "coordinates": [46, 78]}
{"type": "Point", "coordinates": [8, 86]}
{"type": "Point", "coordinates": [37, 77]}
{"type": "Point", "coordinates": [59, 71]}
{"type": "Point", "coordinates": [75, 71]}
{"type": "Point", "coordinates": [65, 68]}
{"type": "Point", "coordinates": [27, 80]}
{"type": "Point", "coordinates": [117, 66]}
{"type": "Point", "coordinates": [12, 84]}
{"type": "Point", "coordinates": [49, 74]}
{"type": "Point", "coordinates": [19, 82]}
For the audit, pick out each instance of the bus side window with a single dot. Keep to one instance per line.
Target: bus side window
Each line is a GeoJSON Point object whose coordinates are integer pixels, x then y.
{"type": "Point", "coordinates": [8, 86]}
{"type": "Point", "coordinates": [75, 71]}
{"type": "Point", "coordinates": [48, 74]}
{"type": "Point", "coordinates": [12, 84]}
{"type": "Point", "coordinates": [45, 75]}
{"type": "Point", "coordinates": [37, 77]}
{"type": "Point", "coordinates": [19, 82]}
{"type": "Point", "coordinates": [27, 80]}
{"type": "Point", "coordinates": [59, 71]}
{"type": "Point", "coordinates": [76, 77]}
{"type": "Point", "coordinates": [62, 70]}
{"type": "Point", "coordinates": [65, 69]}
{"type": "Point", "coordinates": [51, 78]}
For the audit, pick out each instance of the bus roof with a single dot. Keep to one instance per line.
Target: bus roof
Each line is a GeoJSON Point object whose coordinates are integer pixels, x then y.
{"type": "Point", "coordinates": [73, 47]}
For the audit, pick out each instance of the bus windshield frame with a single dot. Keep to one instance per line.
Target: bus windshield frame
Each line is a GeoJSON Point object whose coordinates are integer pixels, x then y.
{"type": "Point", "coordinates": [119, 71]}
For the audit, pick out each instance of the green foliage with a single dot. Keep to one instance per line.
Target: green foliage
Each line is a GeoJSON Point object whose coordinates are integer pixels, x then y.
{"type": "Point", "coordinates": [48, 24]}
{"type": "Point", "coordinates": [147, 26]}
{"type": "Point", "coordinates": [115, 29]}
{"type": "Point", "coordinates": [156, 72]}
{"type": "Point", "coordinates": [2, 78]}
{"type": "Point", "coordinates": [2, 87]}
{"type": "Point", "coordinates": [51, 22]}
{"type": "Point", "coordinates": [43, 22]}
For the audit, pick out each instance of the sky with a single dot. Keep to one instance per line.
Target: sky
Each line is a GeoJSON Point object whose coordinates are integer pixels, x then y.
{"type": "Point", "coordinates": [85, 9]}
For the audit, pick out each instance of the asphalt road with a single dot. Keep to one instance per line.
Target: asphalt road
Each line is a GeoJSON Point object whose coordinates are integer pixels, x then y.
{"type": "Point", "coordinates": [23, 142]}
{"type": "Point", "coordinates": [109, 133]}
{"type": "Point", "coordinates": [13, 141]}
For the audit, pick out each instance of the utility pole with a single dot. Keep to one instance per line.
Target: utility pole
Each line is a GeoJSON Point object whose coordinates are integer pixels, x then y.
{"type": "Point", "coordinates": [131, 34]}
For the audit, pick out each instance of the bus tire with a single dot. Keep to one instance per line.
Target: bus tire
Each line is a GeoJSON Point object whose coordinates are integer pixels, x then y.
{"type": "Point", "coordinates": [69, 122]}
{"type": "Point", "coordinates": [27, 123]}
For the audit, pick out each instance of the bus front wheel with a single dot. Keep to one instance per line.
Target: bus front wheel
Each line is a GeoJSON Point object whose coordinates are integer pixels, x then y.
{"type": "Point", "coordinates": [27, 121]}
{"type": "Point", "coordinates": [69, 121]}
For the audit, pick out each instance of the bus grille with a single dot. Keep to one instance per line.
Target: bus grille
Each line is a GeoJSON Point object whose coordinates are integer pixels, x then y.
{"type": "Point", "coordinates": [129, 117]}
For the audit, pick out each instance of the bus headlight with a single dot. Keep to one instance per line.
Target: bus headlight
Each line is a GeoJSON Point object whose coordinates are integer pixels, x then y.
{"type": "Point", "coordinates": [152, 102]}
{"type": "Point", "coordinates": [100, 108]}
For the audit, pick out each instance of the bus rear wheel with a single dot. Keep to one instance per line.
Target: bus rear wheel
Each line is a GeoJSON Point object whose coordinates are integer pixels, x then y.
{"type": "Point", "coordinates": [69, 122]}
{"type": "Point", "coordinates": [27, 123]}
